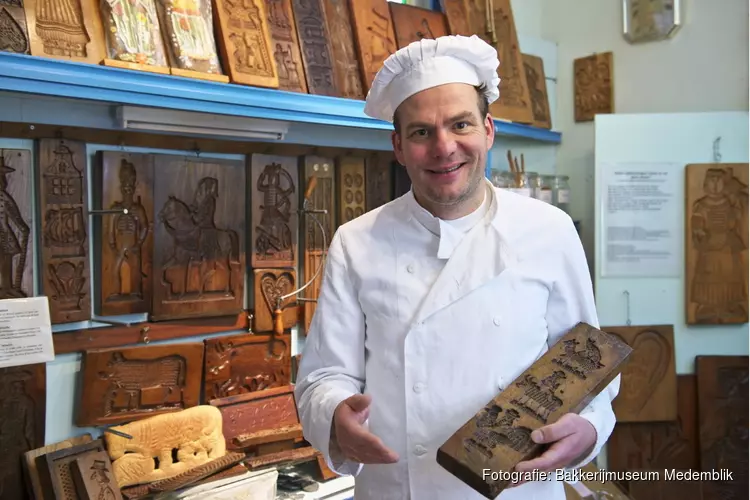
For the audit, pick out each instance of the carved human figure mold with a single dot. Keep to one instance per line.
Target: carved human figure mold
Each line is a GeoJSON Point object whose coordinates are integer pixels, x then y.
{"type": "Point", "coordinates": [16, 245]}
{"type": "Point", "coordinates": [13, 34]}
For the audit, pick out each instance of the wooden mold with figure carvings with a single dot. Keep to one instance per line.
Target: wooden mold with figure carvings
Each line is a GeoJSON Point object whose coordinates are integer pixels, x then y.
{"type": "Point", "coordinates": [345, 62]}
{"type": "Point", "coordinates": [285, 45]}
{"type": "Point", "coordinates": [54, 468]}
{"type": "Point", "coordinates": [412, 23]}
{"type": "Point", "coordinates": [373, 32]}
{"type": "Point", "coordinates": [564, 380]}
{"type": "Point", "coordinates": [315, 45]}
{"type": "Point", "coordinates": [535, 79]}
{"type": "Point", "coordinates": [14, 36]}
{"type": "Point", "coordinates": [593, 86]}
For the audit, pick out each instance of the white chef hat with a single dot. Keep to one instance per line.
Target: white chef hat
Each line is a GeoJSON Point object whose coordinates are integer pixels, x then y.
{"type": "Point", "coordinates": [428, 63]}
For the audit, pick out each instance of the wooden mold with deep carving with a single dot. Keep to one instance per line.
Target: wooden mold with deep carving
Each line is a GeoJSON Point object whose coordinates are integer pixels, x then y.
{"type": "Point", "coordinates": [274, 197]}
{"type": "Point", "coordinates": [30, 462]}
{"type": "Point", "coordinates": [14, 37]}
{"type": "Point", "coordinates": [716, 246]}
{"type": "Point", "coordinates": [23, 393]}
{"type": "Point", "coordinates": [534, 68]}
{"type": "Point", "coordinates": [564, 380]}
{"type": "Point", "coordinates": [648, 387]}
{"type": "Point", "coordinates": [350, 180]}
{"type": "Point", "coordinates": [94, 478]}
{"type": "Point", "coordinates": [17, 257]}
{"type": "Point", "coordinates": [125, 183]}
{"type": "Point", "coordinates": [133, 36]}
{"type": "Point", "coordinates": [244, 41]}
{"type": "Point", "coordinates": [270, 285]}
{"type": "Point", "coordinates": [121, 385]}
{"type": "Point", "coordinates": [457, 17]}
{"type": "Point", "coordinates": [285, 46]}
{"type": "Point", "coordinates": [315, 45]}
{"type": "Point", "coordinates": [63, 206]}
{"type": "Point", "coordinates": [199, 238]}
{"type": "Point", "coordinates": [55, 470]}
{"type": "Point", "coordinates": [374, 35]}
{"type": "Point", "coordinates": [238, 364]}
{"type": "Point", "coordinates": [345, 62]}
{"type": "Point", "coordinates": [593, 86]}
{"type": "Point", "coordinates": [165, 446]}
{"type": "Point", "coordinates": [412, 23]}
{"type": "Point", "coordinates": [378, 179]}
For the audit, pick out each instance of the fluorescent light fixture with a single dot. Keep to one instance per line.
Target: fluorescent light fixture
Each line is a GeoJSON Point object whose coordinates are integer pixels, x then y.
{"type": "Point", "coordinates": [202, 124]}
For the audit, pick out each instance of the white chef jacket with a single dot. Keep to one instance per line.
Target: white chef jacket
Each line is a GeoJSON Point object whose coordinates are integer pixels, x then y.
{"type": "Point", "coordinates": [433, 318]}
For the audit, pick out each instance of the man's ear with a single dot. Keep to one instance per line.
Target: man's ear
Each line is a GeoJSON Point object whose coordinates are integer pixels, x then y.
{"type": "Point", "coordinates": [489, 126]}
{"type": "Point", "coordinates": [397, 147]}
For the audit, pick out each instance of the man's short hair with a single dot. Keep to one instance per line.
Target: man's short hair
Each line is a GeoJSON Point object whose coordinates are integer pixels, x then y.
{"type": "Point", "coordinates": [482, 104]}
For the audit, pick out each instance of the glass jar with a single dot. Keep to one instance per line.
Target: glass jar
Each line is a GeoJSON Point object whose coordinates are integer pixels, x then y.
{"type": "Point", "coordinates": [535, 184]}
{"type": "Point", "coordinates": [519, 183]}
{"type": "Point", "coordinates": [497, 178]}
{"type": "Point", "coordinates": [545, 192]}
{"type": "Point", "coordinates": [561, 193]}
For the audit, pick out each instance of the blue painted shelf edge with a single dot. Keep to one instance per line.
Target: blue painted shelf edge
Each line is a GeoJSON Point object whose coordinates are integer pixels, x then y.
{"type": "Point", "coordinates": [58, 78]}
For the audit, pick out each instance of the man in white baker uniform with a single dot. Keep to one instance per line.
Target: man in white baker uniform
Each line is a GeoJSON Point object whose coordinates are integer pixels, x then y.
{"type": "Point", "coordinates": [433, 303]}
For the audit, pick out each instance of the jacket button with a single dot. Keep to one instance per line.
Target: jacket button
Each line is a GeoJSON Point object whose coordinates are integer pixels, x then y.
{"type": "Point", "coordinates": [420, 450]}
{"type": "Point", "coordinates": [410, 268]}
{"type": "Point", "coordinates": [496, 320]}
{"type": "Point", "coordinates": [418, 387]}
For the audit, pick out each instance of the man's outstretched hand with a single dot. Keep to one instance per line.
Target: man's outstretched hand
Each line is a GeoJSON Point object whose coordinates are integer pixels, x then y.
{"type": "Point", "coordinates": [355, 441]}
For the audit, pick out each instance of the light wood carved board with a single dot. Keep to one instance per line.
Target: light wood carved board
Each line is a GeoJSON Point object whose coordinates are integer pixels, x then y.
{"type": "Point", "coordinates": [17, 258]}
{"type": "Point", "coordinates": [133, 36]}
{"type": "Point", "coordinates": [534, 67]}
{"type": "Point", "coordinates": [274, 197]}
{"type": "Point", "coordinates": [285, 45]}
{"type": "Point", "coordinates": [315, 44]}
{"type": "Point", "coordinates": [133, 383]}
{"type": "Point", "coordinates": [66, 29]}
{"type": "Point", "coordinates": [55, 470]}
{"type": "Point", "coordinates": [94, 478]}
{"type": "Point", "coordinates": [270, 284]}
{"type": "Point", "coordinates": [716, 243]}
{"type": "Point", "coordinates": [411, 23]}
{"type": "Point", "coordinates": [457, 17]}
{"type": "Point", "coordinates": [30, 461]}
{"type": "Point", "coordinates": [564, 380]}
{"type": "Point", "coordinates": [378, 179]}
{"type": "Point", "coordinates": [63, 209]}
{"type": "Point", "coordinates": [238, 364]}
{"type": "Point", "coordinates": [648, 387]}
{"type": "Point", "coordinates": [123, 273]}
{"type": "Point", "coordinates": [244, 39]}
{"type": "Point", "coordinates": [23, 402]}
{"type": "Point", "coordinates": [199, 238]}
{"type": "Point", "coordinates": [374, 36]}
{"type": "Point", "coordinates": [350, 180]}
{"type": "Point", "coordinates": [593, 86]}
{"type": "Point", "coordinates": [345, 62]}
{"type": "Point", "coordinates": [723, 423]}
{"type": "Point", "coordinates": [14, 37]}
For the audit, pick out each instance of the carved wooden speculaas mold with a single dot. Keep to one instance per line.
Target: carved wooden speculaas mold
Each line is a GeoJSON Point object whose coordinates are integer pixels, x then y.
{"type": "Point", "coordinates": [17, 245]}
{"type": "Point", "coordinates": [378, 179]}
{"type": "Point", "coordinates": [315, 44]}
{"type": "Point", "coordinates": [29, 460]}
{"type": "Point", "coordinates": [13, 34]}
{"type": "Point", "coordinates": [93, 477]}
{"type": "Point", "coordinates": [55, 469]}
{"type": "Point", "coordinates": [350, 173]}
{"type": "Point", "coordinates": [594, 94]}
{"type": "Point", "coordinates": [535, 79]}
{"type": "Point", "coordinates": [412, 23]}
{"type": "Point", "coordinates": [373, 32]}
{"type": "Point", "coordinates": [133, 36]}
{"type": "Point", "coordinates": [285, 46]}
{"type": "Point", "coordinates": [457, 17]}
{"type": "Point", "coordinates": [345, 62]}
{"type": "Point", "coordinates": [271, 285]}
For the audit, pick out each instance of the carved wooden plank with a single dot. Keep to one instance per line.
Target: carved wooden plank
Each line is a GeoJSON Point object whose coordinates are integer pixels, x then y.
{"type": "Point", "coordinates": [564, 380]}
{"type": "Point", "coordinates": [199, 241]}
{"type": "Point", "coordinates": [648, 387]}
{"type": "Point", "coordinates": [457, 17]}
{"type": "Point", "coordinates": [315, 43]}
{"type": "Point", "coordinates": [345, 62]}
{"type": "Point", "coordinates": [350, 178]}
{"type": "Point", "coordinates": [244, 41]}
{"type": "Point", "coordinates": [195, 474]}
{"type": "Point", "coordinates": [125, 182]}
{"type": "Point", "coordinates": [30, 461]}
{"type": "Point", "coordinates": [55, 469]}
{"type": "Point", "coordinates": [17, 275]}
{"type": "Point", "coordinates": [716, 213]}
{"type": "Point", "coordinates": [285, 45]}
{"type": "Point", "coordinates": [65, 29]}
{"type": "Point", "coordinates": [270, 284]}
{"type": "Point", "coordinates": [304, 454]}
{"type": "Point", "coordinates": [378, 179]}
{"type": "Point", "coordinates": [373, 32]}
{"type": "Point", "coordinates": [14, 37]}
{"type": "Point", "coordinates": [723, 422]}
{"type": "Point", "coordinates": [265, 436]}
{"type": "Point", "coordinates": [593, 83]}
{"type": "Point", "coordinates": [63, 202]}
{"type": "Point", "coordinates": [412, 23]}
{"type": "Point", "coordinates": [23, 402]}
{"type": "Point", "coordinates": [534, 68]}
{"type": "Point", "coordinates": [120, 385]}
{"type": "Point", "coordinates": [237, 364]}
{"type": "Point", "coordinates": [93, 477]}
{"type": "Point", "coordinates": [275, 221]}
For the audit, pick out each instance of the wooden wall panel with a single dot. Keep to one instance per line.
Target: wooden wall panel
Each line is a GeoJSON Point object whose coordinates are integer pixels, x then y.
{"type": "Point", "coordinates": [345, 62]}
{"type": "Point", "coordinates": [16, 273]}
{"type": "Point", "coordinates": [315, 42]}
{"type": "Point", "coordinates": [285, 45]}
{"type": "Point", "coordinates": [411, 23]}
{"type": "Point", "coordinates": [199, 239]}
{"type": "Point", "coordinates": [63, 202]}
{"type": "Point", "coordinates": [593, 86]}
{"type": "Point", "coordinates": [378, 179]}
{"type": "Point", "coordinates": [534, 68]}
{"type": "Point", "coordinates": [350, 180]}
{"type": "Point", "coordinates": [270, 284]}
{"type": "Point", "coordinates": [373, 32]}
{"type": "Point", "coordinates": [14, 37]}
{"type": "Point", "coordinates": [716, 246]}
{"type": "Point", "coordinates": [457, 17]}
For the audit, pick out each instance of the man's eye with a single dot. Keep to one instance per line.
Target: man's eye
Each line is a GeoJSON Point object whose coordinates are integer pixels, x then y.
{"type": "Point", "coordinates": [461, 125]}
{"type": "Point", "coordinates": [421, 132]}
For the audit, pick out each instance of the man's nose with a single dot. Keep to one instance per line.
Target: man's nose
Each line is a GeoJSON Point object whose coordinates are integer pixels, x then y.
{"type": "Point", "coordinates": [444, 144]}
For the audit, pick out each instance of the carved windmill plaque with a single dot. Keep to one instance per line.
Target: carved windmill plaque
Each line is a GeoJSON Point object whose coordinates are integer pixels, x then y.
{"type": "Point", "coordinates": [14, 36]}
{"type": "Point", "coordinates": [345, 62]}
{"type": "Point", "coordinates": [285, 46]}
{"type": "Point", "coordinates": [411, 23]}
{"type": "Point", "coordinates": [16, 275]}
{"type": "Point", "coordinates": [593, 83]}
{"type": "Point", "coordinates": [315, 43]}
{"type": "Point", "coordinates": [373, 31]}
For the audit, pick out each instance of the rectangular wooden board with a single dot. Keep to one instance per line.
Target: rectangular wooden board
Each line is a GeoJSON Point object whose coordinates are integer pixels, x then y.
{"type": "Point", "coordinates": [350, 180]}
{"type": "Point", "coordinates": [63, 210]}
{"type": "Point", "coordinates": [378, 179]}
{"type": "Point", "coordinates": [133, 383]}
{"type": "Point", "coordinates": [285, 44]}
{"type": "Point", "coordinates": [535, 80]}
{"type": "Point", "coordinates": [270, 284]}
{"type": "Point", "coordinates": [55, 469]}
{"type": "Point", "coordinates": [14, 37]}
{"type": "Point", "coordinates": [17, 261]}
{"type": "Point", "coordinates": [564, 380]}
{"type": "Point", "coordinates": [374, 36]}
{"type": "Point", "coordinates": [199, 239]}
{"type": "Point", "coordinates": [238, 364]}
{"type": "Point", "coordinates": [125, 181]}
{"type": "Point", "coordinates": [716, 243]}
{"type": "Point", "coordinates": [244, 40]}
{"type": "Point", "coordinates": [133, 36]}
{"type": "Point", "coordinates": [648, 387]}
{"type": "Point", "coordinates": [345, 62]}
{"type": "Point", "coordinates": [94, 478]}
{"type": "Point", "coordinates": [315, 44]}
{"type": "Point", "coordinates": [274, 198]}
{"type": "Point", "coordinates": [31, 469]}
{"type": "Point", "coordinates": [457, 17]}
{"type": "Point", "coordinates": [593, 86]}
{"type": "Point", "coordinates": [412, 23]}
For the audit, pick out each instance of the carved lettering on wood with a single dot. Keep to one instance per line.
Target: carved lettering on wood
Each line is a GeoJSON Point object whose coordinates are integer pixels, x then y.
{"type": "Point", "coordinates": [716, 212]}
{"type": "Point", "coordinates": [126, 239]}
{"type": "Point", "coordinates": [94, 478]}
{"type": "Point", "coordinates": [457, 17]}
{"type": "Point", "coordinates": [274, 197]}
{"type": "Point", "coordinates": [245, 42]}
{"type": "Point", "coordinates": [534, 67]}
{"type": "Point", "coordinates": [270, 285]}
{"type": "Point", "coordinates": [350, 174]}
{"type": "Point", "coordinates": [55, 469]}
{"type": "Point", "coordinates": [315, 42]}
{"type": "Point", "coordinates": [285, 46]}
{"type": "Point", "coordinates": [378, 179]}
{"type": "Point", "coordinates": [22, 423]}
{"type": "Point", "coordinates": [120, 385]}
{"type": "Point", "coordinates": [13, 34]}
{"type": "Point", "coordinates": [238, 364]}
{"type": "Point", "coordinates": [63, 201]}
{"type": "Point", "coordinates": [411, 23]}
{"type": "Point", "coordinates": [17, 247]}
{"type": "Point", "coordinates": [373, 31]}
{"type": "Point", "coordinates": [593, 82]}
{"type": "Point", "coordinates": [346, 64]}
{"type": "Point", "coordinates": [34, 473]}
{"type": "Point", "coordinates": [199, 237]}
{"type": "Point", "coordinates": [66, 29]}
